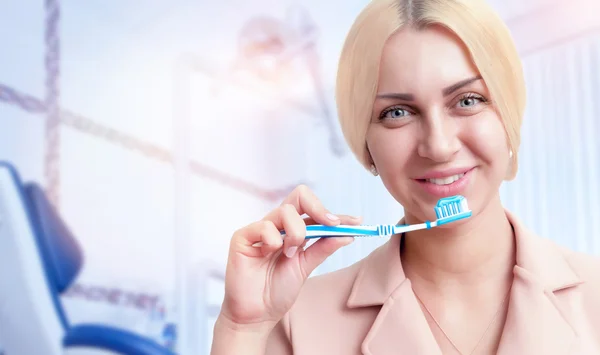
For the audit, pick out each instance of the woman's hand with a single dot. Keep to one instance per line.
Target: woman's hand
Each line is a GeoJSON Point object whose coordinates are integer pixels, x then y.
{"type": "Point", "coordinates": [265, 272]}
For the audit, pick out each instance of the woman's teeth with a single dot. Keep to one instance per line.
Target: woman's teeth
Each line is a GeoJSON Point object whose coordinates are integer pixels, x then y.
{"type": "Point", "coordinates": [446, 181]}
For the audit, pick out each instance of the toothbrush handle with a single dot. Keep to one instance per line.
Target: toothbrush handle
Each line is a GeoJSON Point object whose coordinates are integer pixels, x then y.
{"type": "Point", "coordinates": [321, 231]}
{"type": "Point", "coordinates": [413, 227]}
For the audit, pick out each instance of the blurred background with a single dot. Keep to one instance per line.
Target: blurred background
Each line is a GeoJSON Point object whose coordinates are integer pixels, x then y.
{"type": "Point", "coordinates": [159, 127]}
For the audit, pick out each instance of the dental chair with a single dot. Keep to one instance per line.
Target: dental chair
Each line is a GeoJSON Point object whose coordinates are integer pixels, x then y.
{"type": "Point", "coordinates": [39, 260]}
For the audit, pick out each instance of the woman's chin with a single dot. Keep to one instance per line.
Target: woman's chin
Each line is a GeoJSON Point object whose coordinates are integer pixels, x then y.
{"type": "Point", "coordinates": [455, 224]}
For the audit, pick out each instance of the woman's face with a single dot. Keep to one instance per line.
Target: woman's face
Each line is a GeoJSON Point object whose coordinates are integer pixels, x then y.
{"type": "Point", "coordinates": [434, 131]}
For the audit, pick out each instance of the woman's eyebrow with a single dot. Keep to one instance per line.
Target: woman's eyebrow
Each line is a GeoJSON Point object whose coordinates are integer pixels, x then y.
{"type": "Point", "coordinates": [452, 88]}
{"type": "Point", "coordinates": [397, 96]}
{"type": "Point", "coordinates": [446, 91]}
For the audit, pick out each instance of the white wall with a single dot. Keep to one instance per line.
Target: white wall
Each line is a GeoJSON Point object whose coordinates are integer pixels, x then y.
{"type": "Point", "coordinates": [117, 68]}
{"type": "Point", "coordinates": [556, 191]}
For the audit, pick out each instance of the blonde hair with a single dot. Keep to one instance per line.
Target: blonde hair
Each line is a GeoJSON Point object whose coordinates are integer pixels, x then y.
{"type": "Point", "coordinates": [481, 30]}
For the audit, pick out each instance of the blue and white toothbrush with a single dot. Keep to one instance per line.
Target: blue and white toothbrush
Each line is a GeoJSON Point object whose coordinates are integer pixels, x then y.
{"type": "Point", "coordinates": [447, 210]}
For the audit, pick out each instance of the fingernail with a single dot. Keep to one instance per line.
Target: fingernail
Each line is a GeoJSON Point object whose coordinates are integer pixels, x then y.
{"type": "Point", "coordinates": [333, 217]}
{"type": "Point", "coordinates": [291, 251]}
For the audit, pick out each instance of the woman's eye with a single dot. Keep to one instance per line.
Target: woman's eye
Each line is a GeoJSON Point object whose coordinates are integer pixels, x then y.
{"type": "Point", "coordinates": [468, 102]}
{"type": "Point", "coordinates": [394, 113]}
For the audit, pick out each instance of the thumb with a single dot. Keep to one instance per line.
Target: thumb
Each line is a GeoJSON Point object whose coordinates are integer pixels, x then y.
{"type": "Point", "coordinates": [316, 254]}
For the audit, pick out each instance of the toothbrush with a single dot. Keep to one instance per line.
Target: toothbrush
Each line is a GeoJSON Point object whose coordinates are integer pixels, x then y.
{"type": "Point", "coordinates": [447, 210]}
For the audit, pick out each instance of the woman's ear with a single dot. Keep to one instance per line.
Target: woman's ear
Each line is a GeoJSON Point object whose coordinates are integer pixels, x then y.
{"type": "Point", "coordinates": [511, 169]}
{"type": "Point", "coordinates": [369, 157]}
{"type": "Point", "coordinates": [374, 170]}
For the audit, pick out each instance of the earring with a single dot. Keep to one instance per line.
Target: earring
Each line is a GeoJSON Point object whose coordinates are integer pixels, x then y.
{"type": "Point", "coordinates": [510, 154]}
{"type": "Point", "coordinates": [374, 170]}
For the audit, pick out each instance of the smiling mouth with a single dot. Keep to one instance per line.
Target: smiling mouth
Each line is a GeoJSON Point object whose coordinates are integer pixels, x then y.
{"type": "Point", "coordinates": [444, 181]}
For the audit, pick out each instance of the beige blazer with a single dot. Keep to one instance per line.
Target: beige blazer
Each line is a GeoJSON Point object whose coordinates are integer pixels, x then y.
{"type": "Point", "coordinates": [369, 308]}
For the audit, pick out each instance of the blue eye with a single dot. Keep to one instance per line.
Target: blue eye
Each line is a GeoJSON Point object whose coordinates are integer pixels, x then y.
{"type": "Point", "coordinates": [394, 113]}
{"type": "Point", "coordinates": [470, 101]}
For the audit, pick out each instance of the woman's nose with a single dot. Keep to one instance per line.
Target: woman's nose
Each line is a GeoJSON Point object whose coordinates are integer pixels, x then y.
{"type": "Point", "coordinates": [439, 140]}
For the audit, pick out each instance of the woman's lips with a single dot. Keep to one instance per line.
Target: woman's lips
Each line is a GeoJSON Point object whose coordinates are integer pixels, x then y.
{"type": "Point", "coordinates": [446, 183]}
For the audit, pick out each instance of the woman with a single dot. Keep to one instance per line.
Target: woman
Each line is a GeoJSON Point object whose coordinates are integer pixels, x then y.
{"type": "Point", "coordinates": [430, 97]}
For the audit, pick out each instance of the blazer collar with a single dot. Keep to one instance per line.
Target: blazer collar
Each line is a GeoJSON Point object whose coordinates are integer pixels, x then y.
{"type": "Point", "coordinates": [381, 272]}
{"type": "Point", "coordinates": [538, 320]}
{"type": "Point", "coordinates": [542, 259]}
{"type": "Point", "coordinates": [379, 275]}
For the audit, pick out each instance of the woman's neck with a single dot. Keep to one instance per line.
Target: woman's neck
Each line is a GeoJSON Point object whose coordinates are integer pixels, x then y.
{"type": "Point", "coordinates": [478, 251]}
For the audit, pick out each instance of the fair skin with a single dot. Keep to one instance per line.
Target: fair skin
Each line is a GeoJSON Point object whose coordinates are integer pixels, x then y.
{"type": "Point", "coordinates": [263, 282]}
{"type": "Point", "coordinates": [461, 271]}
{"type": "Point", "coordinates": [433, 114]}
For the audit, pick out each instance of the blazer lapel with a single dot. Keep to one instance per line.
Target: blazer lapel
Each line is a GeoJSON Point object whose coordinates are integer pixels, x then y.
{"type": "Point", "coordinates": [543, 294]}
{"type": "Point", "coordinates": [543, 291]}
{"type": "Point", "coordinates": [400, 326]}
{"type": "Point", "coordinates": [535, 323]}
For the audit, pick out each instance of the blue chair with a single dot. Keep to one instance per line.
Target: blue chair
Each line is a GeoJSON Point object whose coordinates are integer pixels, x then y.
{"type": "Point", "coordinates": [39, 259]}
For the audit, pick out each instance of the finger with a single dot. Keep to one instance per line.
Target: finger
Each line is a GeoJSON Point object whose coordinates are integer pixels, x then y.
{"type": "Point", "coordinates": [272, 240]}
{"type": "Point", "coordinates": [317, 253]}
{"type": "Point", "coordinates": [306, 202]}
{"type": "Point", "coordinates": [295, 229]}
{"type": "Point", "coordinates": [344, 219]}
{"type": "Point", "coordinates": [264, 238]}
{"type": "Point", "coordinates": [263, 233]}
{"type": "Point", "coordinates": [303, 246]}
